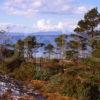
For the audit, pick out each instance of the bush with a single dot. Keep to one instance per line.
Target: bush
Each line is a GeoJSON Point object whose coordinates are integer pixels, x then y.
{"type": "Point", "coordinates": [46, 74]}
{"type": "Point", "coordinates": [42, 74]}
{"type": "Point", "coordinates": [3, 68]}
{"type": "Point", "coordinates": [70, 87]}
{"type": "Point", "coordinates": [37, 84]}
{"type": "Point", "coordinates": [57, 79]}
{"type": "Point", "coordinates": [89, 90]}
{"type": "Point", "coordinates": [52, 88]}
{"type": "Point", "coordinates": [26, 71]}
{"type": "Point", "coordinates": [37, 73]}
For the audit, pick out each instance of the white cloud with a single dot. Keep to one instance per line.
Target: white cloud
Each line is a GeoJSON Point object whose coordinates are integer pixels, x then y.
{"type": "Point", "coordinates": [40, 25]}
{"type": "Point", "coordinates": [14, 27]}
{"type": "Point", "coordinates": [29, 8]}
{"type": "Point", "coordinates": [47, 25]}
{"type": "Point", "coordinates": [11, 25]}
{"type": "Point", "coordinates": [25, 8]}
{"type": "Point", "coordinates": [81, 9]}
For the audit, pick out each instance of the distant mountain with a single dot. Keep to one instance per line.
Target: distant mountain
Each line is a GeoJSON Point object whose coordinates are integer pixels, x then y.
{"type": "Point", "coordinates": [36, 33]}
{"type": "Point", "coordinates": [47, 37]}
{"type": "Point", "coordinates": [47, 33]}
{"type": "Point", "coordinates": [44, 37]}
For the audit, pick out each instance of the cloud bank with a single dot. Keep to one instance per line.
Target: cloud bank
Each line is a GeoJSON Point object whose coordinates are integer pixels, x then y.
{"type": "Point", "coordinates": [30, 8]}
{"type": "Point", "coordinates": [36, 11]}
{"type": "Point", "coordinates": [40, 25]}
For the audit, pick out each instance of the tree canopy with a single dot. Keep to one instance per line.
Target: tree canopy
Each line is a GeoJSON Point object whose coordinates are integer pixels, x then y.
{"type": "Point", "coordinates": [89, 23]}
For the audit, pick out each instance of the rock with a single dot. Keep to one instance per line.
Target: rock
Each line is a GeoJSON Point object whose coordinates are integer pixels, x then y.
{"type": "Point", "coordinates": [11, 89]}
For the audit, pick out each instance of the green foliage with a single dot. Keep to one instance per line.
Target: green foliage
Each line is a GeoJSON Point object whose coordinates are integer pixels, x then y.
{"type": "Point", "coordinates": [56, 79]}
{"type": "Point", "coordinates": [13, 64]}
{"type": "Point", "coordinates": [8, 53]}
{"type": "Point", "coordinates": [61, 40]}
{"type": "Point", "coordinates": [52, 88]}
{"type": "Point", "coordinates": [24, 72]}
{"type": "Point", "coordinates": [91, 91]}
{"type": "Point", "coordinates": [46, 74]}
{"type": "Point", "coordinates": [89, 23]}
{"type": "Point", "coordinates": [70, 54]}
{"type": "Point", "coordinates": [61, 44]}
{"type": "Point", "coordinates": [30, 41]}
{"type": "Point", "coordinates": [73, 44]}
{"type": "Point", "coordinates": [69, 88]}
{"type": "Point", "coordinates": [3, 68]}
{"type": "Point", "coordinates": [38, 73]}
{"type": "Point", "coordinates": [88, 64]}
{"type": "Point", "coordinates": [49, 49]}
{"type": "Point", "coordinates": [42, 74]}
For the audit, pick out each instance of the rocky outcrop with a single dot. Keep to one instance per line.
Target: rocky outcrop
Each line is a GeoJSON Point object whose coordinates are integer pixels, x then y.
{"type": "Point", "coordinates": [10, 88]}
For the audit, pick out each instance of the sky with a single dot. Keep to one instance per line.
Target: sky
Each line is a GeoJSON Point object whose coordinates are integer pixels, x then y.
{"type": "Point", "coordinates": [43, 15]}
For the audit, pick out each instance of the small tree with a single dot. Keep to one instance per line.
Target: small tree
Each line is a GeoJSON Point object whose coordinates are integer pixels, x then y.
{"type": "Point", "coordinates": [20, 48]}
{"type": "Point", "coordinates": [61, 42]}
{"type": "Point", "coordinates": [73, 49]}
{"type": "Point", "coordinates": [30, 43]}
{"type": "Point", "coordinates": [49, 48]}
{"type": "Point", "coordinates": [89, 23]}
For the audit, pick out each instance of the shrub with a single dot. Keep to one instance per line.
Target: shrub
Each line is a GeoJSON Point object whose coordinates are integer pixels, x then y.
{"type": "Point", "coordinates": [57, 79]}
{"type": "Point", "coordinates": [88, 90]}
{"type": "Point", "coordinates": [37, 73]}
{"type": "Point", "coordinates": [26, 71]}
{"type": "Point", "coordinates": [52, 88]}
{"type": "Point", "coordinates": [69, 88]}
{"type": "Point", "coordinates": [42, 73]}
{"type": "Point", "coordinates": [46, 74]}
{"type": "Point", "coordinates": [37, 83]}
{"type": "Point", "coordinates": [3, 69]}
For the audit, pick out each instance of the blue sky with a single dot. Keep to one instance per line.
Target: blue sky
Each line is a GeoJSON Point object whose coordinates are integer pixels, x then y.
{"type": "Point", "coordinates": [43, 15]}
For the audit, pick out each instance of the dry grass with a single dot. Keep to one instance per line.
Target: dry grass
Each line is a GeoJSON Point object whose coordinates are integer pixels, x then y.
{"type": "Point", "coordinates": [56, 96]}
{"type": "Point", "coordinates": [37, 83]}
